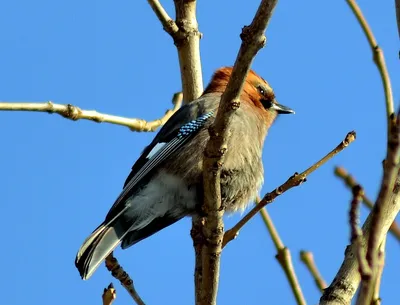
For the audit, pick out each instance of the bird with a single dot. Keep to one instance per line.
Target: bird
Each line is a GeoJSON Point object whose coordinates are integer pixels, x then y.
{"type": "Point", "coordinates": [166, 183]}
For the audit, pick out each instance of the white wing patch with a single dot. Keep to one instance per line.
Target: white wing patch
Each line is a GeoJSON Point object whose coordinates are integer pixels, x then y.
{"type": "Point", "coordinates": [155, 149]}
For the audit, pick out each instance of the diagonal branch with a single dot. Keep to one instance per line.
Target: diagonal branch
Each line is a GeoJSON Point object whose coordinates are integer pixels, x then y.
{"type": "Point", "coordinates": [350, 182]}
{"type": "Point", "coordinates": [75, 113]}
{"type": "Point", "coordinates": [283, 256]}
{"type": "Point", "coordinates": [308, 259]}
{"type": "Point", "coordinates": [253, 39]}
{"type": "Point", "coordinates": [293, 181]}
{"type": "Point", "coordinates": [168, 24]}
{"type": "Point", "coordinates": [119, 273]}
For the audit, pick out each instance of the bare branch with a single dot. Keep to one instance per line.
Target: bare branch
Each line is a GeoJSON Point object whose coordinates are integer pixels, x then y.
{"type": "Point", "coordinates": [376, 300]}
{"type": "Point", "coordinates": [74, 113]}
{"type": "Point", "coordinates": [308, 259]}
{"type": "Point", "coordinates": [109, 295]}
{"type": "Point", "coordinates": [357, 234]}
{"type": "Point", "coordinates": [283, 256]}
{"type": "Point", "coordinates": [186, 36]}
{"type": "Point", "coordinates": [198, 239]}
{"type": "Point", "coordinates": [185, 33]}
{"type": "Point", "coordinates": [375, 228]}
{"type": "Point", "coordinates": [188, 45]}
{"type": "Point", "coordinates": [378, 57]}
{"type": "Point", "coordinates": [253, 39]}
{"type": "Point", "coordinates": [350, 182]}
{"type": "Point", "coordinates": [293, 181]}
{"type": "Point", "coordinates": [118, 272]}
{"type": "Point", "coordinates": [168, 24]}
{"type": "Point", "coordinates": [384, 212]}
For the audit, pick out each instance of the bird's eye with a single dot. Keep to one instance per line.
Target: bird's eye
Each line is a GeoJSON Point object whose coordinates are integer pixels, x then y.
{"type": "Point", "coordinates": [261, 90]}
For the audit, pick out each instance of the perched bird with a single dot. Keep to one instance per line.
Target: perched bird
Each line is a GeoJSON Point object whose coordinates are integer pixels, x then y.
{"type": "Point", "coordinates": [166, 183]}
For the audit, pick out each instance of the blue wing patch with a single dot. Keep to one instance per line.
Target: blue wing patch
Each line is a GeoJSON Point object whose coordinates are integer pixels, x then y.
{"type": "Point", "coordinates": [194, 125]}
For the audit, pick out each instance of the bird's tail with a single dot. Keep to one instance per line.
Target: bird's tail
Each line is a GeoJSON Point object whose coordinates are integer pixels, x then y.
{"type": "Point", "coordinates": [96, 248]}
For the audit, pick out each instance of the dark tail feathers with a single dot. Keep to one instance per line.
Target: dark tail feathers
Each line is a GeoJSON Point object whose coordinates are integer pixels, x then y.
{"type": "Point", "coordinates": [95, 249]}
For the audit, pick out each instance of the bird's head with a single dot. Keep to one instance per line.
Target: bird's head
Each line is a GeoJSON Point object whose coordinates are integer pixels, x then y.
{"type": "Point", "coordinates": [256, 91]}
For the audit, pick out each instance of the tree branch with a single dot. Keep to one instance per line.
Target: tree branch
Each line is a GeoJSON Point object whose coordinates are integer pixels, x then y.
{"type": "Point", "coordinates": [378, 57]}
{"type": "Point", "coordinates": [293, 181]}
{"type": "Point", "coordinates": [253, 39]}
{"type": "Point", "coordinates": [376, 300]}
{"type": "Point", "coordinates": [186, 38]}
{"type": "Point", "coordinates": [350, 182]}
{"type": "Point", "coordinates": [387, 206]}
{"type": "Point", "coordinates": [308, 259]}
{"type": "Point", "coordinates": [185, 33]}
{"type": "Point", "coordinates": [118, 272]}
{"type": "Point", "coordinates": [188, 45]}
{"type": "Point", "coordinates": [168, 24]}
{"type": "Point", "coordinates": [357, 234]}
{"type": "Point", "coordinates": [109, 295]}
{"type": "Point", "coordinates": [375, 228]}
{"type": "Point", "coordinates": [283, 256]}
{"type": "Point", "coordinates": [74, 113]}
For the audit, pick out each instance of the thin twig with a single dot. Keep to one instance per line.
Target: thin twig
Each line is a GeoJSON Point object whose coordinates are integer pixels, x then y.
{"type": "Point", "coordinates": [75, 113]}
{"type": "Point", "coordinates": [293, 181]}
{"type": "Point", "coordinates": [253, 39]}
{"type": "Point", "coordinates": [168, 24]}
{"type": "Point", "coordinates": [378, 57]}
{"type": "Point", "coordinates": [308, 259]}
{"type": "Point", "coordinates": [350, 182]}
{"type": "Point", "coordinates": [118, 272]}
{"type": "Point", "coordinates": [283, 256]}
{"type": "Point", "coordinates": [109, 295]}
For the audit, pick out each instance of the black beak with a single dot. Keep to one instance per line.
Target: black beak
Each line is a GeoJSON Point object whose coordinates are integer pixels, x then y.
{"type": "Point", "coordinates": [281, 109]}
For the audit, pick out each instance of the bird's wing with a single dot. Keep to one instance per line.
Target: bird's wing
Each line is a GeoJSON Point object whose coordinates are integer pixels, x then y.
{"type": "Point", "coordinates": [181, 127]}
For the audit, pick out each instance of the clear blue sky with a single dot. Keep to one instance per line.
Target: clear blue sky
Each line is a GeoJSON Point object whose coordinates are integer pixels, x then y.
{"type": "Point", "coordinates": [59, 178]}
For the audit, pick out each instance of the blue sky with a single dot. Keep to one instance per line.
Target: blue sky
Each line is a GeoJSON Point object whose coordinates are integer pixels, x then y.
{"type": "Point", "coordinates": [59, 178]}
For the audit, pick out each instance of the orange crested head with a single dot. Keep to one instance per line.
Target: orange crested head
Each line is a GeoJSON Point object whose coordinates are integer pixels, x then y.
{"type": "Point", "coordinates": [256, 90]}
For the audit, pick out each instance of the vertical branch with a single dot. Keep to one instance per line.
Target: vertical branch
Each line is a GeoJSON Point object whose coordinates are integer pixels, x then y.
{"type": "Point", "coordinates": [253, 39]}
{"type": "Point", "coordinates": [387, 206]}
{"type": "Point", "coordinates": [186, 37]}
{"type": "Point", "coordinates": [188, 45]}
{"type": "Point", "coordinates": [376, 300]}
